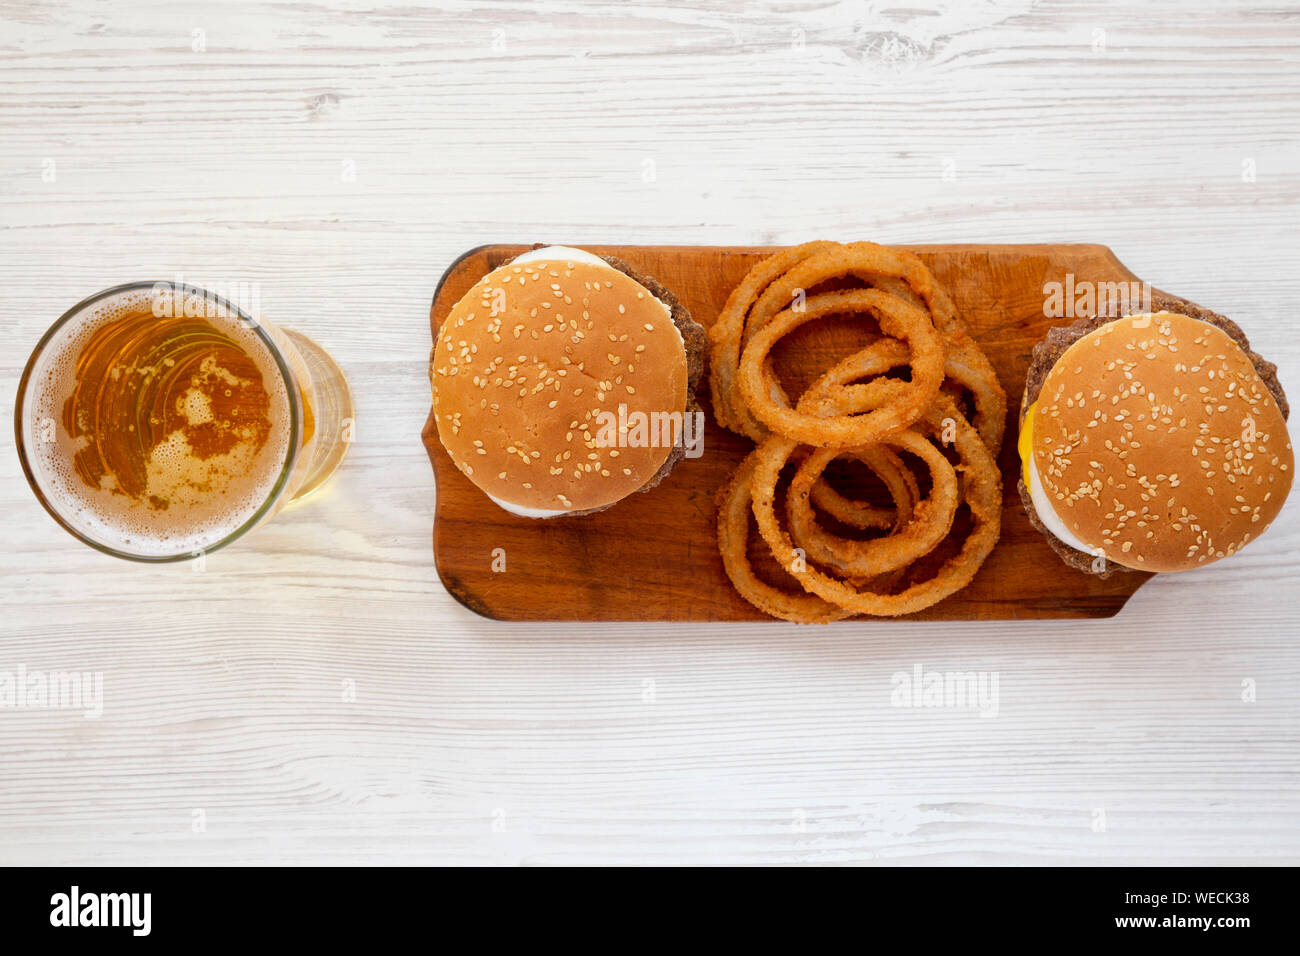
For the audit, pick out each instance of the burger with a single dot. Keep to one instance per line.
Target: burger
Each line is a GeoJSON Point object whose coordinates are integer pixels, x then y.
{"type": "Point", "coordinates": [565, 381]}
{"type": "Point", "coordinates": [1153, 442]}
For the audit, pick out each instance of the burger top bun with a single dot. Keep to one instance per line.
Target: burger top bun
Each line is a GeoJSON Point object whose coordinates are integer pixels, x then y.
{"type": "Point", "coordinates": [538, 371]}
{"type": "Point", "coordinates": [1158, 445]}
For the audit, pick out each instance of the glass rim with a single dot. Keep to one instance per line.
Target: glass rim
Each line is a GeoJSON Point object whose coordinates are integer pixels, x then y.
{"type": "Point", "coordinates": [286, 374]}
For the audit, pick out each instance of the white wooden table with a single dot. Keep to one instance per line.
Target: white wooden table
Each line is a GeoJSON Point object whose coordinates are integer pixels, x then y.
{"type": "Point", "coordinates": [314, 695]}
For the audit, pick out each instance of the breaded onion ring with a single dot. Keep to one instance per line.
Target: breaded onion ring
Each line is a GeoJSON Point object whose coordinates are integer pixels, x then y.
{"type": "Point", "coordinates": [990, 400]}
{"type": "Point", "coordinates": [929, 523]}
{"type": "Point", "coordinates": [899, 482]}
{"type": "Point", "coordinates": [897, 319]}
{"type": "Point", "coordinates": [868, 261]}
{"type": "Point", "coordinates": [969, 369]}
{"type": "Point", "coordinates": [903, 274]}
{"type": "Point", "coordinates": [728, 332]}
{"type": "Point", "coordinates": [733, 542]}
{"type": "Point", "coordinates": [855, 409]}
{"type": "Point", "coordinates": [982, 485]}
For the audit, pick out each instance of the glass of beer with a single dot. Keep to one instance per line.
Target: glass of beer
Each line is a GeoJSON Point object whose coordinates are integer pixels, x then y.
{"type": "Point", "coordinates": [157, 421]}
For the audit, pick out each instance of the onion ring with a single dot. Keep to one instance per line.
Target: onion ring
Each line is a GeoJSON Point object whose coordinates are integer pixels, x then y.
{"type": "Point", "coordinates": [914, 537]}
{"type": "Point", "coordinates": [733, 542]}
{"type": "Point", "coordinates": [989, 398]}
{"type": "Point", "coordinates": [856, 409]}
{"type": "Point", "coordinates": [968, 366]}
{"type": "Point", "coordinates": [898, 480]}
{"type": "Point", "coordinates": [969, 369]}
{"type": "Point", "coordinates": [902, 274]}
{"type": "Point", "coordinates": [983, 492]}
{"type": "Point", "coordinates": [896, 318]}
{"type": "Point", "coordinates": [727, 333]}
{"type": "Point", "coordinates": [867, 261]}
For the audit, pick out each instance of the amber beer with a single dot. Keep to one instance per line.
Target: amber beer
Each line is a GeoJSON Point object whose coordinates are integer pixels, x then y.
{"type": "Point", "coordinates": [158, 421]}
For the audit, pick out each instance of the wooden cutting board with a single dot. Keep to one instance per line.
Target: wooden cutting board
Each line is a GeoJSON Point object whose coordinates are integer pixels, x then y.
{"type": "Point", "coordinates": [654, 557]}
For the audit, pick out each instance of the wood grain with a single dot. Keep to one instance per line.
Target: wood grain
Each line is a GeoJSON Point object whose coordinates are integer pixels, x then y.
{"type": "Point", "coordinates": [342, 155]}
{"type": "Point", "coordinates": [654, 556]}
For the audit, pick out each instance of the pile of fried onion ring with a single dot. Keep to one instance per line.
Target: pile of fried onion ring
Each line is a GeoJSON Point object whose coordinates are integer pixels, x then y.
{"type": "Point", "coordinates": [863, 410]}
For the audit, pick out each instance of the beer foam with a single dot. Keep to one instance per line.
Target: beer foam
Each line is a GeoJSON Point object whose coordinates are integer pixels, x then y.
{"type": "Point", "coordinates": [208, 499]}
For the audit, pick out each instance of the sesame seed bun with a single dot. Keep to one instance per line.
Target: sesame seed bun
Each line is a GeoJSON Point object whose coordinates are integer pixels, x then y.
{"type": "Point", "coordinates": [542, 371]}
{"type": "Point", "coordinates": [1158, 444]}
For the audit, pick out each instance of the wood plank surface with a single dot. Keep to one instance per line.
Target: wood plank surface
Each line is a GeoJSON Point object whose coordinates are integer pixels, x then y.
{"type": "Point", "coordinates": [654, 556]}
{"type": "Point", "coordinates": [317, 693]}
